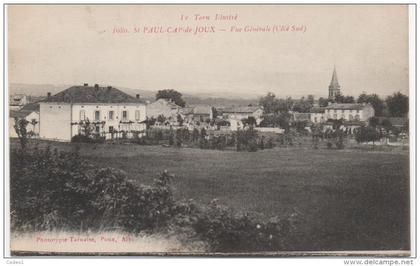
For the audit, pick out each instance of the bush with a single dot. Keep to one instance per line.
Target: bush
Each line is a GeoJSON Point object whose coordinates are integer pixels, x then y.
{"type": "Point", "coordinates": [329, 145]}
{"type": "Point", "coordinates": [80, 138]}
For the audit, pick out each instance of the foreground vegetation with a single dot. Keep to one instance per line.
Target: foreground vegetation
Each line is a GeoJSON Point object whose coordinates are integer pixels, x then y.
{"type": "Point", "coordinates": [52, 190]}
{"type": "Point", "coordinates": [356, 198]}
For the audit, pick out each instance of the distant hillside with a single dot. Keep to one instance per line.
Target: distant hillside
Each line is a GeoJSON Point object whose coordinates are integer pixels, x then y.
{"type": "Point", "coordinates": [220, 102]}
{"type": "Point", "coordinates": [41, 90]}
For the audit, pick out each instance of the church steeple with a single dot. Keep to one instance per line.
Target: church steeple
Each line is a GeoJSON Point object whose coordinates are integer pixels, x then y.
{"type": "Point", "coordinates": [334, 87]}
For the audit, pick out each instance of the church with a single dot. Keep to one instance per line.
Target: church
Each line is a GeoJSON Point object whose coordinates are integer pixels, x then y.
{"type": "Point", "coordinates": [354, 113]}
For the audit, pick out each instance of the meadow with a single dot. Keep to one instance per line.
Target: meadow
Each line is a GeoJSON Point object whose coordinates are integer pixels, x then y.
{"type": "Point", "coordinates": [345, 199]}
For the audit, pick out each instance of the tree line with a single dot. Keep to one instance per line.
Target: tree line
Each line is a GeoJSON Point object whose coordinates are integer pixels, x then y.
{"type": "Point", "coordinates": [395, 105]}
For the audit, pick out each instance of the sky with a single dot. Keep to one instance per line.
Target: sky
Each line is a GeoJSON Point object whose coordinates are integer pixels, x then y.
{"type": "Point", "coordinates": [78, 44]}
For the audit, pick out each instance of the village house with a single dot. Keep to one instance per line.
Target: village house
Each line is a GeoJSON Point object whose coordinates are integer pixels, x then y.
{"type": "Point", "coordinates": [235, 115]}
{"type": "Point", "coordinates": [317, 114]}
{"type": "Point", "coordinates": [107, 109]}
{"type": "Point", "coordinates": [30, 113]}
{"type": "Point", "coordinates": [162, 107]}
{"type": "Point", "coordinates": [349, 111]}
{"type": "Point", "coordinates": [346, 111]}
{"type": "Point", "coordinates": [198, 113]}
{"type": "Point", "coordinates": [241, 112]}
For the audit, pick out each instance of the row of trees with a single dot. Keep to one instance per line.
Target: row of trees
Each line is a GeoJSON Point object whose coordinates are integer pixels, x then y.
{"type": "Point", "coordinates": [395, 105]}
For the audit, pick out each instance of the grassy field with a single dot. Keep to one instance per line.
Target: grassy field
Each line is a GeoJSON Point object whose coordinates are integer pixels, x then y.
{"type": "Point", "coordinates": [348, 199]}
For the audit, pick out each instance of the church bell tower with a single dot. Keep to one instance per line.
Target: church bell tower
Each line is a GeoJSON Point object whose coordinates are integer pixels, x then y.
{"type": "Point", "coordinates": [334, 87]}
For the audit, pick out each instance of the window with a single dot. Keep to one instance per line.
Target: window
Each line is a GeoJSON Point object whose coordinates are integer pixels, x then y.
{"type": "Point", "coordinates": [97, 115]}
{"type": "Point", "coordinates": [97, 129]}
{"type": "Point", "coordinates": [335, 111]}
{"type": "Point", "coordinates": [137, 114]}
{"type": "Point", "coordinates": [111, 115]}
{"type": "Point", "coordinates": [111, 129]}
{"type": "Point", "coordinates": [82, 115]}
{"type": "Point", "coordinates": [350, 117]}
{"type": "Point", "coordinates": [124, 115]}
{"type": "Point", "coordinates": [335, 116]}
{"type": "Point", "coordinates": [357, 117]}
{"type": "Point", "coordinates": [315, 119]}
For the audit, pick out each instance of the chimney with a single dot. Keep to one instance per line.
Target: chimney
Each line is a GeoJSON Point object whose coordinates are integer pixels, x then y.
{"type": "Point", "coordinates": [138, 96]}
{"type": "Point", "coordinates": [96, 86]}
{"type": "Point", "coordinates": [48, 94]}
{"type": "Point", "coordinates": [85, 84]}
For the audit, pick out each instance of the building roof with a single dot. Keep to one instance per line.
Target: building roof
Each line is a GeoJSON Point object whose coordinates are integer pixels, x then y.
{"type": "Point", "coordinates": [317, 110]}
{"type": "Point", "coordinates": [31, 107]}
{"type": "Point", "coordinates": [241, 109]}
{"type": "Point", "coordinates": [202, 109]}
{"type": "Point", "coordinates": [92, 94]}
{"type": "Point", "coordinates": [186, 110]}
{"type": "Point", "coordinates": [167, 102]}
{"type": "Point", "coordinates": [20, 113]}
{"type": "Point", "coordinates": [346, 106]}
{"type": "Point", "coordinates": [197, 110]}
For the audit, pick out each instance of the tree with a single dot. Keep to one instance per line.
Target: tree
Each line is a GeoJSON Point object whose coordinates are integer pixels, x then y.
{"type": "Point", "coordinates": [179, 120]}
{"type": "Point", "coordinates": [348, 99]}
{"type": "Point", "coordinates": [311, 99]}
{"type": "Point", "coordinates": [322, 102]}
{"type": "Point", "coordinates": [214, 111]}
{"type": "Point", "coordinates": [195, 134]}
{"type": "Point", "coordinates": [339, 98]}
{"type": "Point", "coordinates": [273, 105]}
{"type": "Point", "coordinates": [21, 131]}
{"type": "Point", "coordinates": [386, 124]}
{"type": "Point", "coordinates": [303, 105]}
{"type": "Point", "coordinates": [276, 120]}
{"type": "Point", "coordinates": [373, 121]}
{"type": "Point", "coordinates": [250, 121]}
{"type": "Point", "coordinates": [397, 104]}
{"type": "Point", "coordinates": [171, 136]}
{"type": "Point", "coordinates": [161, 119]}
{"type": "Point", "coordinates": [173, 95]}
{"type": "Point", "coordinates": [376, 102]}
{"type": "Point", "coordinates": [366, 134]}
{"type": "Point", "coordinates": [150, 122]}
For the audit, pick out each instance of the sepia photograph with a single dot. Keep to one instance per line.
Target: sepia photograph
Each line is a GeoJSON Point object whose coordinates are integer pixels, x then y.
{"type": "Point", "coordinates": [208, 130]}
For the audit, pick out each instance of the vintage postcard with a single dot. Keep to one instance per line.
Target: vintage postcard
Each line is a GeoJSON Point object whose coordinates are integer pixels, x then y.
{"type": "Point", "coordinates": [211, 130]}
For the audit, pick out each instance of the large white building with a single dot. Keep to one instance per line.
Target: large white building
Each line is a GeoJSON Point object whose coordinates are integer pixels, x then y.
{"type": "Point", "coordinates": [108, 110]}
{"type": "Point", "coordinates": [345, 111]}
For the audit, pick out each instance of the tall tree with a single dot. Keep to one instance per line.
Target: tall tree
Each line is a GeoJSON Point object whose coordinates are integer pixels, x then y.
{"type": "Point", "coordinates": [273, 105]}
{"type": "Point", "coordinates": [376, 102]}
{"type": "Point", "coordinates": [173, 95]}
{"type": "Point", "coordinates": [397, 104]}
{"type": "Point", "coordinates": [339, 98]}
{"type": "Point", "coordinates": [302, 106]}
{"type": "Point", "coordinates": [322, 101]}
{"type": "Point", "coordinates": [22, 133]}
